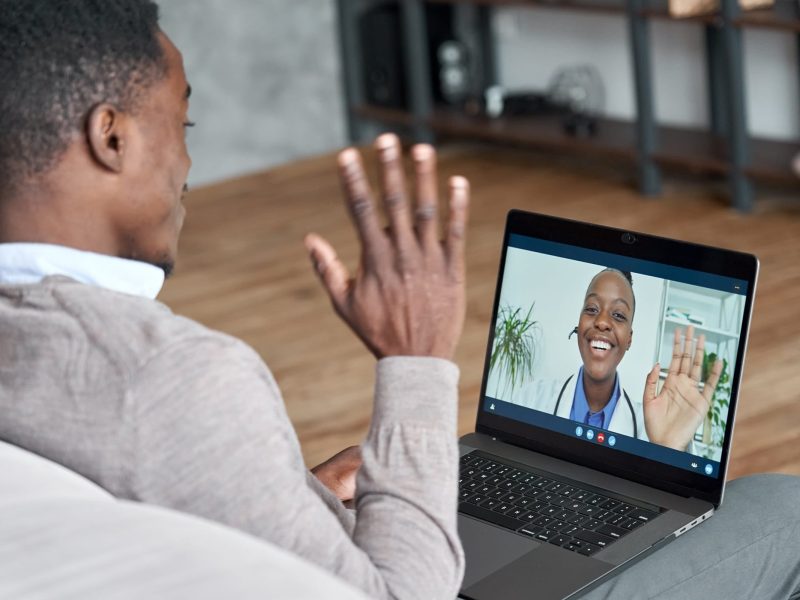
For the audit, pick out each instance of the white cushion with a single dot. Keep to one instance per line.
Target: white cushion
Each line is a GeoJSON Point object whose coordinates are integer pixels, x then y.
{"type": "Point", "coordinates": [62, 537]}
{"type": "Point", "coordinates": [25, 476]}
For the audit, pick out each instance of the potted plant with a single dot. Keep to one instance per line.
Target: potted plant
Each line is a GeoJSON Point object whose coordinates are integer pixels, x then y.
{"type": "Point", "coordinates": [513, 349]}
{"type": "Point", "coordinates": [714, 425]}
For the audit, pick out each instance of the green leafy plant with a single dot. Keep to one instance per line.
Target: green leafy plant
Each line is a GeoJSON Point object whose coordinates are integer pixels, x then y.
{"type": "Point", "coordinates": [514, 348]}
{"type": "Point", "coordinates": [720, 399]}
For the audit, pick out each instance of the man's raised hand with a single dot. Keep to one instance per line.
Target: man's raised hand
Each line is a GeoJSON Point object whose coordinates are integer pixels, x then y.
{"type": "Point", "coordinates": [407, 296]}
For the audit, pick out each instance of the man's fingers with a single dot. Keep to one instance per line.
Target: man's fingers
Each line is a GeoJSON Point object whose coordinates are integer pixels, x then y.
{"type": "Point", "coordinates": [699, 355]}
{"type": "Point", "coordinates": [686, 355]}
{"type": "Point", "coordinates": [426, 215]}
{"type": "Point", "coordinates": [334, 275]}
{"type": "Point", "coordinates": [711, 383]}
{"type": "Point", "coordinates": [651, 384]}
{"type": "Point", "coordinates": [359, 200]}
{"type": "Point", "coordinates": [390, 157]}
{"type": "Point", "coordinates": [457, 225]}
{"type": "Point", "coordinates": [677, 349]}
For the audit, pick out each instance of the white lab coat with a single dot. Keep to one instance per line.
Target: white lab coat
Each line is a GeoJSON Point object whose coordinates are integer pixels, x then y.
{"type": "Point", "coordinates": [542, 394]}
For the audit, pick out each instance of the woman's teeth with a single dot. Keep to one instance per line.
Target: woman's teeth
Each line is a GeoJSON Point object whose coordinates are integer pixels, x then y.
{"type": "Point", "coordinates": [600, 345]}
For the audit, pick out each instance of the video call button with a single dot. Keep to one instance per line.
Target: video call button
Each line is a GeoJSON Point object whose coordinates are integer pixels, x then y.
{"type": "Point", "coordinates": [612, 440]}
{"type": "Point", "coordinates": [589, 434]}
{"type": "Point", "coordinates": [579, 431]}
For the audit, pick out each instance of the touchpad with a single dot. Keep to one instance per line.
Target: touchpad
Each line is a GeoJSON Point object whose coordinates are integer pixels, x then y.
{"type": "Point", "coordinates": [488, 548]}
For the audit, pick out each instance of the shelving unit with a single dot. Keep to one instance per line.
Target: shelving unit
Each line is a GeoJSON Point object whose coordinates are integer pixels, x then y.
{"type": "Point", "coordinates": [724, 149]}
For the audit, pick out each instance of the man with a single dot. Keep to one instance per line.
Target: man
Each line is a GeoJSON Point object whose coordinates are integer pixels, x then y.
{"type": "Point", "coordinates": [99, 377]}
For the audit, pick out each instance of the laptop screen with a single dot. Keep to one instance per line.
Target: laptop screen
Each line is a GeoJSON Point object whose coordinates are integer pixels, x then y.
{"type": "Point", "coordinates": [593, 345]}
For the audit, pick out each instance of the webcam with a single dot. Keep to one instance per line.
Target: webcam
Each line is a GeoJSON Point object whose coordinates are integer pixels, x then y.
{"type": "Point", "coordinates": [628, 238]}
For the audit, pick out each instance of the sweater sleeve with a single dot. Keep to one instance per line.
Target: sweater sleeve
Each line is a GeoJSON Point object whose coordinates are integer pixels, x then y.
{"type": "Point", "coordinates": [212, 438]}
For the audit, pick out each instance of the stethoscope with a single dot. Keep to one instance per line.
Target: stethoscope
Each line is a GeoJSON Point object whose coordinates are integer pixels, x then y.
{"type": "Point", "coordinates": [624, 393]}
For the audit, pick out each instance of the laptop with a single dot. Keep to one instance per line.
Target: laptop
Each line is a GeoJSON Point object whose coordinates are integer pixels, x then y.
{"type": "Point", "coordinates": [579, 465]}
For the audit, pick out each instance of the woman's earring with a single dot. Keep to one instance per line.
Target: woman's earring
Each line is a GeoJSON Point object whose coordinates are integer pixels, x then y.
{"type": "Point", "coordinates": [573, 332]}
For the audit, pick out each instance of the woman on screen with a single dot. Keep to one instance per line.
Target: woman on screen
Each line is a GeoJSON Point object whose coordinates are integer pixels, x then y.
{"type": "Point", "coordinates": [595, 395]}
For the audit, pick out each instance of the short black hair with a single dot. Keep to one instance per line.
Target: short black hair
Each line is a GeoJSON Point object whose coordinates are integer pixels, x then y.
{"type": "Point", "coordinates": [58, 59]}
{"type": "Point", "coordinates": [628, 277]}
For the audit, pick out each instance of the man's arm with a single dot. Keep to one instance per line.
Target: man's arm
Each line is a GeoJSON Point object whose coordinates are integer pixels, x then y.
{"type": "Point", "coordinates": [212, 438]}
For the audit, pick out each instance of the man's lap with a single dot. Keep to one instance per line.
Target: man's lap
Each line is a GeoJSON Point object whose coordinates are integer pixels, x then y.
{"type": "Point", "coordinates": [749, 549]}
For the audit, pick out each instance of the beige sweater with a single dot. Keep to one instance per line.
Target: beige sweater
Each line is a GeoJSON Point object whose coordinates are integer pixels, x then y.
{"type": "Point", "coordinates": [157, 408]}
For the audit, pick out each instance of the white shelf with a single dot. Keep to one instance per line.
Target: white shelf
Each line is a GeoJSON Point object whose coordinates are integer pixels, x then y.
{"type": "Point", "coordinates": [709, 331]}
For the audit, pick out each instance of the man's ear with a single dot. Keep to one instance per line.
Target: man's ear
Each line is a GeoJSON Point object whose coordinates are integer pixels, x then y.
{"type": "Point", "coordinates": [106, 134]}
{"type": "Point", "coordinates": [630, 340]}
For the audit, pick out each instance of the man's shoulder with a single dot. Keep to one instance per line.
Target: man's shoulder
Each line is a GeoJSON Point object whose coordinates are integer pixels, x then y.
{"type": "Point", "coordinates": [138, 329]}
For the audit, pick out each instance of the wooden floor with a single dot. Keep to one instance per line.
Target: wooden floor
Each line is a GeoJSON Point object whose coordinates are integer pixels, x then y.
{"type": "Point", "coordinates": [243, 270]}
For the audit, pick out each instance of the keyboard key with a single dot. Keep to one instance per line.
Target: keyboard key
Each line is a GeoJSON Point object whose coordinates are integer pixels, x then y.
{"type": "Point", "coordinates": [611, 531]}
{"type": "Point", "coordinates": [592, 524]}
{"type": "Point", "coordinates": [589, 511]}
{"type": "Point", "coordinates": [545, 496]}
{"type": "Point", "coordinates": [560, 501]}
{"type": "Point", "coordinates": [495, 480]}
{"type": "Point", "coordinates": [603, 515]}
{"type": "Point", "coordinates": [515, 474]}
{"type": "Point", "coordinates": [542, 483]}
{"type": "Point", "coordinates": [616, 519]}
{"type": "Point", "coordinates": [546, 535]}
{"type": "Point", "coordinates": [506, 484]}
{"type": "Point", "coordinates": [563, 515]}
{"type": "Point", "coordinates": [471, 485]}
{"type": "Point", "coordinates": [472, 461]}
{"type": "Point", "coordinates": [549, 510]}
{"type": "Point", "coordinates": [530, 530]}
{"type": "Point", "coordinates": [588, 549]}
{"type": "Point", "coordinates": [567, 490]}
{"type": "Point", "coordinates": [528, 479]}
{"type": "Point", "coordinates": [490, 516]}
{"type": "Point", "coordinates": [517, 513]}
{"type": "Point", "coordinates": [555, 486]}
{"type": "Point", "coordinates": [569, 529]}
{"type": "Point", "coordinates": [476, 499]}
{"type": "Point", "coordinates": [469, 471]}
{"type": "Point", "coordinates": [465, 496]}
{"type": "Point", "coordinates": [525, 502]}
{"type": "Point", "coordinates": [520, 488]}
{"type": "Point", "coordinates": [597, 500]}
{"type": "Point", "coordinates": [497, 493]}
{"type": "Point", "coordinates": [581, 496]}
{"type": "Point", "coordinates": [559, 539]}
{"type": "Point", "coordinates": [626, 521]}
{"type": "Point", "coordinates": [573, 505]}
{"type": "Point", "coordinates": [623, 509]}
{"type": "Point", "coordinates": [642, 515]}
{"type": "Point", "coordinates": [543, 521]}
{"type": "Point", "coordinates": [490, 503]}
{"type": "Point", "coordinates": [510, 497]}
{"type": "Point", "coordinates": [594, 538]}
{"type": "Point", "coordinates": [609, 504]}
{"type": "Point", "coordinates": [633, 524]}
{"type": "Point", "coordinates": [503, 507]}
{"type": "Point", "coordinates": [578, 519]}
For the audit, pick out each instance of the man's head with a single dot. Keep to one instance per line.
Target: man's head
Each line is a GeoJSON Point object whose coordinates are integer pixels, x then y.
{"type": "Point", "coordinates": [93, 106]}
{"type": "Point", "coordinates": [605, 327]}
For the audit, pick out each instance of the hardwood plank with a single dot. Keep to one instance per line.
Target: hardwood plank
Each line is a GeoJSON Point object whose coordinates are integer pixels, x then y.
{"type": "Point", "coordinates": [243, 270]}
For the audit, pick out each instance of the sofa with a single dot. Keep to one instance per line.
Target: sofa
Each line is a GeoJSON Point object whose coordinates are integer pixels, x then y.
{"type": "Point", "coordinates": [62, 536]}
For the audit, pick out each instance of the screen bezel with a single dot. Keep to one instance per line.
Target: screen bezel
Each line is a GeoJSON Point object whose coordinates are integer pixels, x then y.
{"type": "Point", "coordinates": [727, 263]}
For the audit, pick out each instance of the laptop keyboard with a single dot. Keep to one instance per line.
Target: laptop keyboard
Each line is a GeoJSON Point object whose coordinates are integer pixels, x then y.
{"type": "Point", "coordinates": [543, 506]}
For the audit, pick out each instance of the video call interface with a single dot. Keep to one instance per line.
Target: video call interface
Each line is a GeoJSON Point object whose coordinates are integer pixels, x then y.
{"type": "Point", "coordinates": [584, 342]}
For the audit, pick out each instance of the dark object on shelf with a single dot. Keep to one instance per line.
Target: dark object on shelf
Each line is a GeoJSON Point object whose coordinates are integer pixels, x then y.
{"type": "Point", "coordinates": [453, 68]}
{"type": "Point", "coordinates": [578, 125]}
{"type": "Point", "coordinates": [381, 44]}
{"type": "Point", "coordinates": [499, 101]}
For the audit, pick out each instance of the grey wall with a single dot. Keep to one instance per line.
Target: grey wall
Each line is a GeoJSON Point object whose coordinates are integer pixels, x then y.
{"type": "Point", "coordinates": [265, 78]}
{"type": "Point", "coordinates": [533, 43]}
